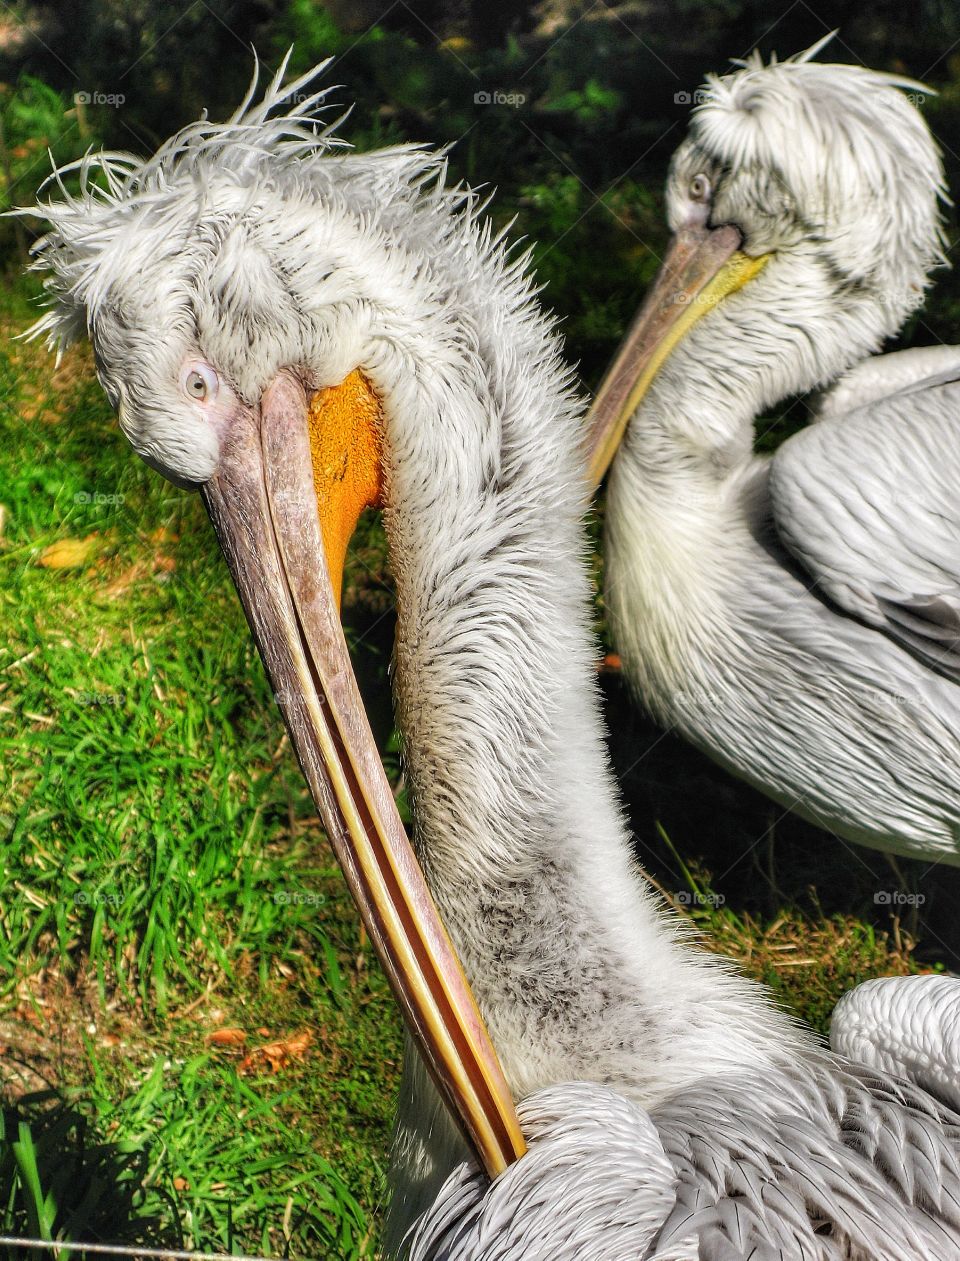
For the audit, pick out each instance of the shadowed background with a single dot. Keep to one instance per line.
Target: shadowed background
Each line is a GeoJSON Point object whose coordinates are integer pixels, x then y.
{"type": "Point", "coordinates": [196, 1045]}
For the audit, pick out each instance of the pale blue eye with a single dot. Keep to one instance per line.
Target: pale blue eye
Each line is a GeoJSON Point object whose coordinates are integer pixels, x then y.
{"type": "Point", "coordinates": [199, 382]}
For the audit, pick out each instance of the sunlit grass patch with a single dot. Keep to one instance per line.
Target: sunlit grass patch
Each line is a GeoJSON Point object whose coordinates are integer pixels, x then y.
{"type": "Point", "coordinates": [162, 854]}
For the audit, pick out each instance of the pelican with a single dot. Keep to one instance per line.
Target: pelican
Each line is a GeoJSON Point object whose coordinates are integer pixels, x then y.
{"type": "Point", "coordinates": [796, 616]}
{"type": "Point", "coordinates": [299, 332]}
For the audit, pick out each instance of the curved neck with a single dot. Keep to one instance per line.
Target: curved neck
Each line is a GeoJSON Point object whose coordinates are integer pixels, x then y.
{"type": "Point", "coordinates": [794, 328]}
{"type": "Point", "coordinates": [494, 660]}
{"type": "Point", "coordinates": [579, 973]}
{"type": "Point", "coordinates": [517, 817]}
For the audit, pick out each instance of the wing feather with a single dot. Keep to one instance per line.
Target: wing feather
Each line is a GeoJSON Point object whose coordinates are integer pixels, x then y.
{"type": "Point", "coordinates": [869, 503]}
{"type": "Point", "coordinates": [821, 1159]}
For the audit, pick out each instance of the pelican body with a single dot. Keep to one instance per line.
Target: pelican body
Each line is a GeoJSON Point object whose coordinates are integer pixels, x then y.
{"type": "Point", "coordinates": [796, 616]}
{"type": "Point", "coordinates": [298, 332]}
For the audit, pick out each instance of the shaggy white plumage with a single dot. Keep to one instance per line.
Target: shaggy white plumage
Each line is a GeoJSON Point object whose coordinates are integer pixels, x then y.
{"type": "Point", "coordinates": [907, 1025]}
{"type": "Point", "coordinates": [247, 247]}
{"type": "Point", "coordinates": [798, 618]}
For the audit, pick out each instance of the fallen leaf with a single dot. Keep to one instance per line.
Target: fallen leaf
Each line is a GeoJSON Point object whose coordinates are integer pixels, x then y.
{"type": "Point", "coordinates": [277, 1055]}
{"type": "Point", "coordinates": [227, 1037]}
{"type": "Point", "coordinates": [69, 553]}
{"type": "Point", "coordinates": [181, 1184]}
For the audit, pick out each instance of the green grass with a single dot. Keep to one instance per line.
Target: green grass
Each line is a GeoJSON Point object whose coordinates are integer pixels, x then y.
{"type": "Point", "coordinates": [162, 854]}
{"type": "Point", "coordinates": [165, 876]}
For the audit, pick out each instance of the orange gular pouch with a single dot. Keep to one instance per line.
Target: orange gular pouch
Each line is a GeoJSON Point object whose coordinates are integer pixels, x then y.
{"type": "Point", "coordinates": [345, 423]}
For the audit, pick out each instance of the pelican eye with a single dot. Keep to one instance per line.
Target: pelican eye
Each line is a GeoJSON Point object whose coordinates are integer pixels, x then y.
{"type": "Point", "coordinates": [199, 383]}
{"type": "Point", "coordinates": [700, 188]}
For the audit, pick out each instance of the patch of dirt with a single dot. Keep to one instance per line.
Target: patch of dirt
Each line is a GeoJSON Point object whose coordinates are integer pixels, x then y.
{"type": "Point", "coordinates": [42, 1032]}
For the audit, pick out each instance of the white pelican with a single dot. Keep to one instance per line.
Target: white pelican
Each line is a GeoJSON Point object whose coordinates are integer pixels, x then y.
{"type": "Point", "coordinates": [299, 333]}
{"type": "Point", "coordinates": [796, 617]}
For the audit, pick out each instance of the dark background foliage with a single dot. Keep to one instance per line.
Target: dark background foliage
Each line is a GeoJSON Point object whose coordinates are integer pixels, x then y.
{"type": "Point", "coordinates": [597, 97]}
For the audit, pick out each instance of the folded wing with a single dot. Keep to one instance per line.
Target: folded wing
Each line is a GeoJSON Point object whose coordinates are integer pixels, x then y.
{"type": "Point", "coordinates": [869, 503]}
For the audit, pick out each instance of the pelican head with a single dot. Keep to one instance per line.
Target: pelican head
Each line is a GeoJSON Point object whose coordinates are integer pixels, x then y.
{"type": "Point", "coordinates": [268, 319]}
{"type": "Point", "coordinates": [804, 204]}
{"type": "Point", "coordinates": [229, 254]}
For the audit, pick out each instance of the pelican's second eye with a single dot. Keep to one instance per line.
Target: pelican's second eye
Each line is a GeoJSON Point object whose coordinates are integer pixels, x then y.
{"type": "Point", "coordinates": [700, 188]}
{"type": "Point", "coordinates": [199, 383]}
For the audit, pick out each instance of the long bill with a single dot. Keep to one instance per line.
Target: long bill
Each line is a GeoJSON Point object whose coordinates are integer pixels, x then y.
{"type": "Point", "coordinates": [284, 545]}
{"type": "Point", "coordinates": [701, 267]}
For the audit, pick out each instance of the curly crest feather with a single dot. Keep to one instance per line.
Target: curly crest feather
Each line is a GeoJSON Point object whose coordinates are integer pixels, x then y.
{"type": "Point", "coordinates": [129, 208]}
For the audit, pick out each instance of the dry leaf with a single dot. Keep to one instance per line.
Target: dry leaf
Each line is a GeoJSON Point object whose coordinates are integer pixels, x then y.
{"type": "Point", "coordinates": [277, 1055]}
{"type": "Point", "coordinates": [227, 1037]}
{"type": "Point", "coordinates": [69, 553]}
{"type": "Point", "coordinates": [181, 1184]}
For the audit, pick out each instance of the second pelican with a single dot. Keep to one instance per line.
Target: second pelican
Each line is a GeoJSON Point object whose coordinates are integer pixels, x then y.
{"type": "Point", "coordinates": [797, 617]}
